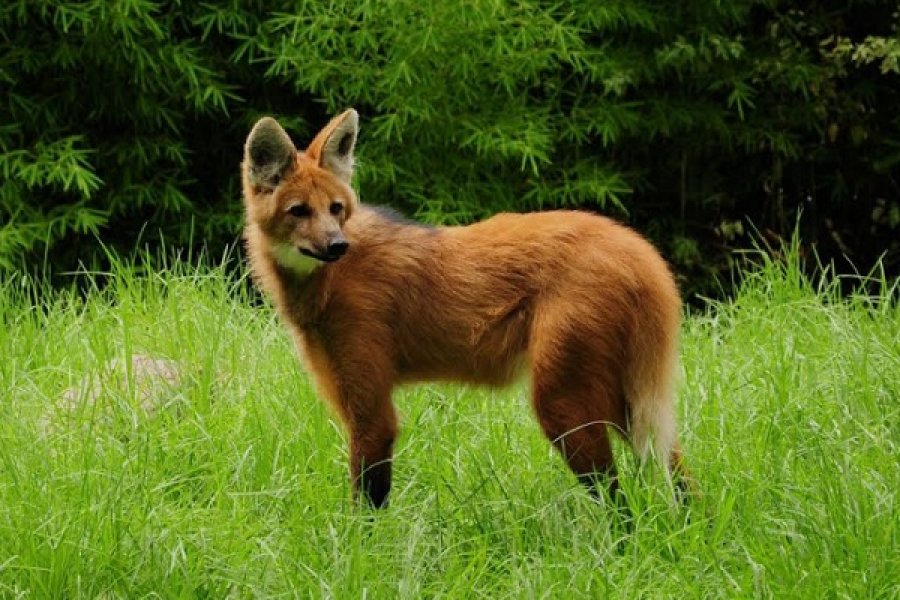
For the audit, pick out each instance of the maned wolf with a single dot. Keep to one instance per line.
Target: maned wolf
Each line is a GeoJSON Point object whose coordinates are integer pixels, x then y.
{"type": "Point", "coordinates": [584, 304]}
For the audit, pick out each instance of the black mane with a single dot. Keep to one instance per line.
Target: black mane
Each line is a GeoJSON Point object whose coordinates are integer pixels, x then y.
{"type": "Point", "coordinates": [395, 216]}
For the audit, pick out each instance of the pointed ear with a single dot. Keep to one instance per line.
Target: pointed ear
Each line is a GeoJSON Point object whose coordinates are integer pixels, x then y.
{"type": "Point", "coordinates": [333, 147]}
{"type": "Point", "coordinates": [268, 154]}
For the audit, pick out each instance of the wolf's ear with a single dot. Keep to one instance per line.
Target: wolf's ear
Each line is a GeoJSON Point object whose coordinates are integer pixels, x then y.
{"type": "Point", "coordinates": [333, 147]}
{"type": "Point", "coordinates": [268, 154]}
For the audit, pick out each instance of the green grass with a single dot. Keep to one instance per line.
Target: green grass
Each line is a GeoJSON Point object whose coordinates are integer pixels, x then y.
{"type": "Point", "coordinates": [236, 484]}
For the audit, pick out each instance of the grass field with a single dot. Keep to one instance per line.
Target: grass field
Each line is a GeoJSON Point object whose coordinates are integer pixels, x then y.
{"type": "Point", "coordinates": [233, 482]}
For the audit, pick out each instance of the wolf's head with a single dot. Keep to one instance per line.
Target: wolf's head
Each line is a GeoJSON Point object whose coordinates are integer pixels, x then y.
{"type": "Point", "coordinates": [298, 201]}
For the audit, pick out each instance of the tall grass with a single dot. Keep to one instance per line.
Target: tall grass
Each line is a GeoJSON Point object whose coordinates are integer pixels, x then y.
{"type": "Point", "coordinates": [233, 481]}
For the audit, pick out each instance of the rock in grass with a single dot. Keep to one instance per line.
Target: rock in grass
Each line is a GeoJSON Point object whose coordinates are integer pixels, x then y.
{"type": "Point", "coordinates": [136, 388]}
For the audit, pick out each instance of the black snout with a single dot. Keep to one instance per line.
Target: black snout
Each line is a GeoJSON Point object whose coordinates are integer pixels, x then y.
{"type": "Point", "coordinates": [336, 249]}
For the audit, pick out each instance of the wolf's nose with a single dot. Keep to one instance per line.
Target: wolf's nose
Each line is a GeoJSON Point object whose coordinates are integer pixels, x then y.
{"type": "Point", "coordinates": [337, 248]}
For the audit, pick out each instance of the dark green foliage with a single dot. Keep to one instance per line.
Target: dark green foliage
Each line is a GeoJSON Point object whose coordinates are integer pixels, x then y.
{"type": "Point", "coordinates": [125, 120]}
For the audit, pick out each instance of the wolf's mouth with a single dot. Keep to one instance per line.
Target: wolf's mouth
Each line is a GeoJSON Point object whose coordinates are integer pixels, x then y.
{"type": "Point", "coordinates": [317, 256]}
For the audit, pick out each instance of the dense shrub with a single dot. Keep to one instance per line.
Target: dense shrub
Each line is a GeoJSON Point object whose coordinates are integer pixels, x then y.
{"type": "Point", "coordinates": [123, 121]}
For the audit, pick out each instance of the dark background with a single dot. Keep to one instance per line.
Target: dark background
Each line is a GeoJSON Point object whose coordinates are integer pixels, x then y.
{"type": "Point", "coordinates": [710, 126]}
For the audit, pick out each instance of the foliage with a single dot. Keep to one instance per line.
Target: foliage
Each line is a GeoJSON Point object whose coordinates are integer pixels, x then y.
{"type": "Point", "coordinates": [125, 120]}
{"type": "Point", "coordinates": [234, 482]}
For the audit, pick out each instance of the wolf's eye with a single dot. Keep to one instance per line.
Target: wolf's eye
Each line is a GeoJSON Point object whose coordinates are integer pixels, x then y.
{"type": "Point", "coordinates": [300, 210]}
{"type": "Point", "coordinates": [336, 208]}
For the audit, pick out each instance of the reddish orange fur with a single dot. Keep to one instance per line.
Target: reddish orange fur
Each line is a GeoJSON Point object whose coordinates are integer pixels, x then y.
{"type": "Point", "coordinates": [586, 304]}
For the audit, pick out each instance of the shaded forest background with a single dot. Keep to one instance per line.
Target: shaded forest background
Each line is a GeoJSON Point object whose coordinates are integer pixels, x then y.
{"type": "Point", "coordinates": [699, 123]}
